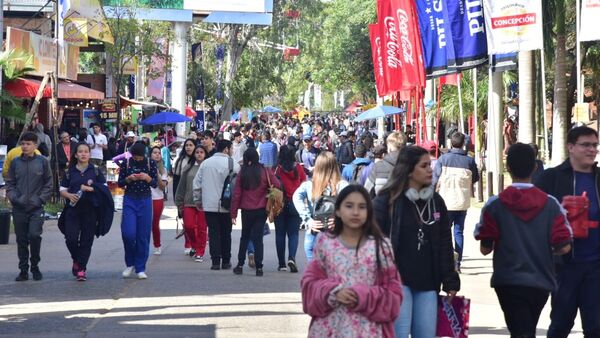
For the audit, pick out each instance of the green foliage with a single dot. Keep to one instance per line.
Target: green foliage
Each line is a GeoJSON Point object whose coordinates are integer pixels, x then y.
{"type": "Point", "coordinates": [14, 65]}
{"type": "Point", "coordinates": [91, 63]}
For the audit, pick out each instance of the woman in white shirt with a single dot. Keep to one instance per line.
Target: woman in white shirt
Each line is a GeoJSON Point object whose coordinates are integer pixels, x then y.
{"type": "Point", "coordinates": [158, 197]}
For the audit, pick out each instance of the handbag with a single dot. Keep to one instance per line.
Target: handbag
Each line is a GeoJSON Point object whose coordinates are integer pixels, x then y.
{"type": "Point", "coordinates": [178, 233]}
{"type": "Point", "coordinates": [274, 200]}
{"type": "Point", "coordinates": [453, 317]}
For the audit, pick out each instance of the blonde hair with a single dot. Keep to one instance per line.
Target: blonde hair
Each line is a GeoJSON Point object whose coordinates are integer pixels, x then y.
{"type": "Point", "coordinates": [326, 174]}
{"type": "Point", "coordinates": [395, 141]}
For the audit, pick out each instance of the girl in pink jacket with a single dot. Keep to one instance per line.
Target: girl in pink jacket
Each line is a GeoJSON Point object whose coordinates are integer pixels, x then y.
{"type": "Point", "coordinates": [352, 288]}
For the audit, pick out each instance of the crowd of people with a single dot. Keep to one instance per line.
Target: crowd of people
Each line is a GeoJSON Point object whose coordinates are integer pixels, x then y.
{"type": "Point", "coordinates": [377, 218]}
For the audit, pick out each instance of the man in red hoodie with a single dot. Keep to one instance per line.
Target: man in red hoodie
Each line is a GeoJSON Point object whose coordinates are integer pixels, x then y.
{"type": "Point", "coordinates": [524, 226]}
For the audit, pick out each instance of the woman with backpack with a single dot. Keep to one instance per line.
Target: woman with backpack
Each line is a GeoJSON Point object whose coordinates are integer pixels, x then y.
{"type": "Point", "coordinates": [80, 214]}
{"type": "Point", "coordinates": [287, 223]}
{"type": "Point", "coordinates": [194, 221]}
{"type": "Point", "coordinates": [415, 219]}
{"type": "Point", "coordinates": [250, 195]}
{"type": "Point", "coordinates": [313, 197]}
{"type": "Point", "coordinates": [185, 158]}
{"type": "Point", "coordinates": [137, 175]}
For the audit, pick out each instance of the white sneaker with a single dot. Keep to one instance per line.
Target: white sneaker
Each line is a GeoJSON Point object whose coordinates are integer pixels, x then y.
{"type": "Point", "coordinates": [142, 275]}
{"type": "Point", "coordinates": [128, 272]}
{"type": "Point", "coordinates": [187, 251]}
{"type": "Point", "coordinates": [157, 251]}
{"type": "Point", "coordinates": [199, 259]}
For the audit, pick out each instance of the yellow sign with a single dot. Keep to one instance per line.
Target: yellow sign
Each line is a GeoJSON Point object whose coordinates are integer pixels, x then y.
{"type": "Point", "coordinates": [97, 23]}
{"type": "Point", "coordinates": [76, 32]}
{"type": "Point", "coordinates": [43, 50]}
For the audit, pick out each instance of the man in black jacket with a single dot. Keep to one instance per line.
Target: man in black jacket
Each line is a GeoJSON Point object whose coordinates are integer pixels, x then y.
{"type": "Point", "coordinates": [64, 151]}
{"type": "Point", "coordinates": [28, 188]}
{"type": "Point", "coordinates": [345, 153]}
{"type": "Point", "coordinates": [579, 275]}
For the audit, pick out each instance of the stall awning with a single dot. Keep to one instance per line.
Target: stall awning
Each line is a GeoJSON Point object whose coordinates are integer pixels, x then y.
{"type": "Point", "coordinates": [27, 88]}
{"type": "Point", "coordinates": [126, 102]}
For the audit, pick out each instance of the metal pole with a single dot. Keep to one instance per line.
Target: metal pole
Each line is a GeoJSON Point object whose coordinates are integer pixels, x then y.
{"type": "Point", "coordinates": [544, 117]}
{"type": "Point", "coordinates": [461, 123]}
{"type": "Point", "coordinates": [578, 42]}
{"type": "Point", "coordinates": [1, 71]}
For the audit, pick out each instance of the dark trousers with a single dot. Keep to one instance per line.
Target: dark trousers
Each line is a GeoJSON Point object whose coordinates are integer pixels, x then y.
{"type": "Point", "coordinates": [28, 229]}
{"type": "Point", "coordinates": [287, 223]}
{"type": "Point", "coordinates": [80, 228]}
{"type": "Point", "coordinates": [578, 288]}
{"type": "Point", "coordinates": [457, 220]}
{"type": "Point", "coordinates": [176, 179]}
{"type": "Point", "coordinates": [219, 236]}
{"type": "Point", "coordinates": [522, 307]}
{"type": "Point", "coordinates": [253, 222]}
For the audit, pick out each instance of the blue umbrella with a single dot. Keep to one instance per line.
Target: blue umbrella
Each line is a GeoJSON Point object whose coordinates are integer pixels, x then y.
{"type": "Point", "coordinates": [271, 109]}
{"type": "Point", "coordinates": [377, 112]}
{"type": "Point", "coordinates": [165, 117]}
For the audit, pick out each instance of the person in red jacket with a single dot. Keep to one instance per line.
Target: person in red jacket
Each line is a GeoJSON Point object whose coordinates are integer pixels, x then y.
{"type": "Point", "coordinates": [250, 195]}
{"type": "Point", "coordinates": [291, 175]}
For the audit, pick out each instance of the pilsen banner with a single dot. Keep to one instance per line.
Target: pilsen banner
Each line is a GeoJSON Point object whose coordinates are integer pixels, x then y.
{"type": "Point", "coordinates": [468, 33]}
{"type": "Point", "coordinates": [376, 50]}
{"type": "Point", "coordinates": [513, 25]}
{"type": "Point", "coordinates": [436, 36]}
{"type": "Point", "coordinates": [590, 12]}
{"type": "Point", "coordinates": [402, 50]}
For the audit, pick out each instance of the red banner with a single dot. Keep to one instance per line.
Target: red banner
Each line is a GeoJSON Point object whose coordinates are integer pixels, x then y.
{"type": "Point", "coordinates": [378, 67]}
{"type": "Point", "coordinates": [402, 50]}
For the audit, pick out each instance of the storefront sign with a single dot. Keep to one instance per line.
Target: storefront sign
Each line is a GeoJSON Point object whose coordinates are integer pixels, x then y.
{"type": "Point", "coordinates": [109, 106]}
{"type": "Point", "coordinates": [43, 50]}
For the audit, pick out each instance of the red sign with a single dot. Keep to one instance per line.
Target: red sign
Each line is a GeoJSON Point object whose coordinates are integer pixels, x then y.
{"type": "Point", "coordinates": [377, 52]}
{"type": "Point", "coordinates": [402, 50]}
{"type": "Point", "coordinates": [514, 20]}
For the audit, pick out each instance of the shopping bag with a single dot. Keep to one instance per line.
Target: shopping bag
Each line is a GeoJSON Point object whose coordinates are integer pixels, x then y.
{"type": "Point", "coordinates": [453, 317]}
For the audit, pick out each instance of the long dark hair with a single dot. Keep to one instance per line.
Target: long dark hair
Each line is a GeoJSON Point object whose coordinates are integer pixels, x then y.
{"type": "Point", "coordinates": [408, 158]}
{"type": "Point", "coordinates": [193, 161]}
{"type": "Point", "coordinates": [369, 229]}
{"type": "Point", "coordinates": [287, 159]}
{"type": "Point", "coordinates": [183, 155]}
{"type": "Point", "coordinates": [251, 172]}
{"type": "Point", "coordinates": [73, 161]}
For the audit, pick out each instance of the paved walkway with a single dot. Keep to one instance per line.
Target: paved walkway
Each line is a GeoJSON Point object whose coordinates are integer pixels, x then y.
{"type": "Point", "coordinates": [182, 298]}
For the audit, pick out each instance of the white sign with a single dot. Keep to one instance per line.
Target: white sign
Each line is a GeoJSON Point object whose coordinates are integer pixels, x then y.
{"type": "Point", "coordinates": [590, 12]}
{"type": "Point", "coordinates": [252, 6]}
{"type": "Point", "coordinates": [513, 25]}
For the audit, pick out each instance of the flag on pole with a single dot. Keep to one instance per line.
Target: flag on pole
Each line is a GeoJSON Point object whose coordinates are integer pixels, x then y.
{"type": "Point", "coordinates": [590, 12]}
{"type": "Point", "coordinates": [376, 51]}
{"type": "Point", "coordinates": [468, 33]}
{"type": "Point", "coordinates": [513, 25]}
{"type": "Point", "coordinates": [436, 38]}
{"type": "Point", "coordinates": [450, 79]}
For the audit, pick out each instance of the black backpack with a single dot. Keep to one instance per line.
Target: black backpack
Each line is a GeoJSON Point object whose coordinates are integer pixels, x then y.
{"type": "Point", "coordinates": [228, 186]}
{"type": "Point", "coordinates": [43, 149]}
{"type": "Point", "coordinates": [324, 209]}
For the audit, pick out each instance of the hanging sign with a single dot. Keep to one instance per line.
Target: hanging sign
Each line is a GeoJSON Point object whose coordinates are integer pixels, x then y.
{"type": "Point", "coordinates": [513, 25]}
{"type": "Point", "coordinates": [590, 12]}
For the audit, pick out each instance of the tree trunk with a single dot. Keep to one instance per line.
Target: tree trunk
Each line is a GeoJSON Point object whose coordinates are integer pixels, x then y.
{"type": "Point", "coordinates": [560, 116]}
{"type": "Point", "coordinates": [239, 36]}
{"type": "Point", "coordinates": [527, 97]}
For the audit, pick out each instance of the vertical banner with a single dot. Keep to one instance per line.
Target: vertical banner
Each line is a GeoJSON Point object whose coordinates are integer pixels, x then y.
{"type": "Point", "coordinates": [468, 33]}
{"type": "Point", "coordinates": [376, 51]}
{"type": "Point", "coordinates": [402, 49]}
{"type": "Point", "coordinates": [513, 25]}
{"type": "Point", "coordinates": [436, 37]}
{"type": "Point", "coordinates": [590, 12]}
{"type": "Point", "coordinates": [220, 54]}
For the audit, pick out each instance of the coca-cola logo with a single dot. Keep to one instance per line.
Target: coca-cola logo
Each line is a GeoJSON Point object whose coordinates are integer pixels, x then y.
{"type": "Point", "coordinates": [407, 48]}
{"type": "Point", "coordinates": [379, 56]}
{"type": "Point", "coordinates": [392, 45]}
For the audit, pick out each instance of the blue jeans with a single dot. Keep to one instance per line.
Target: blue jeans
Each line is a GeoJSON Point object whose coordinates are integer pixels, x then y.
{"type": "Point", "coordinates": [577, 289]}
{"type": "Point", "coordinates": [287, 223]}
{"type": "Point", "coordinates": [457, 219]}
{"type": "Point", "coordinates": [309, 243]}
{"type": "Point", "coordinates": [418, 314]}
{"type": "Point", "coordinates": [250, 248]}
{"type": "Point", "coordinates": [136, 225]}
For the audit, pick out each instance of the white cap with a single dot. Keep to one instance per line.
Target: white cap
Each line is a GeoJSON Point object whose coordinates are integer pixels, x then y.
{"type": "Point", "coordinates": [130, 134]}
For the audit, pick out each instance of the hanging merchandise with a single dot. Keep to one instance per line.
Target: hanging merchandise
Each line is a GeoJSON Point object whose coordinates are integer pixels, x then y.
{"type": "Point", "coordinates": [468, 33]}
{"type": "Point", "coordinates": [220, 53]}
{"type": "Point", "coordinates": [376, 51]}
{"type": "Point", "coordinates": [590, 12]}
{"type": "Point", "coordinates": [513, 25]}
{"type": "Point", "coordinates": [402, 49]}
{"type": "Point", "coordinates": [436, 37]}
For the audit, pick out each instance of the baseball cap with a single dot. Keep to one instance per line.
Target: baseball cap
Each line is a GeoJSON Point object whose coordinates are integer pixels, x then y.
{"type": "Point", "coordinates": [306, 137]}
{"type": "Point", "coordinates": [130, 134]}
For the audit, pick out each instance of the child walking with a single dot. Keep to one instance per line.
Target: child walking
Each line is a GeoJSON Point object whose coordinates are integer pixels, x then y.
{"type": "Point", "coordinates": [352, 288]}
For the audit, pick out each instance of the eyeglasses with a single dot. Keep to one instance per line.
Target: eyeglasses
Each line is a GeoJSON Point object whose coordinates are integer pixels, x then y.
{"type": "Point", "coordinates": [588, 145]}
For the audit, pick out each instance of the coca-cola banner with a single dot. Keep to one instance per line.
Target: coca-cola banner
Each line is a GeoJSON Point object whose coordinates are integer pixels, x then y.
{"type": "Point", "coordinates": [468, 32]}
{"type": "Point", "coordinates": [402, 50]}
{"type": "Point", "coordinates": [590, 12]}
{"type": "Point", "coordinates": [436, 36]}
{"type": "Point", "coordinates": [513, 25]}
{"type": "Point", "coordinates": [377, 50]}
